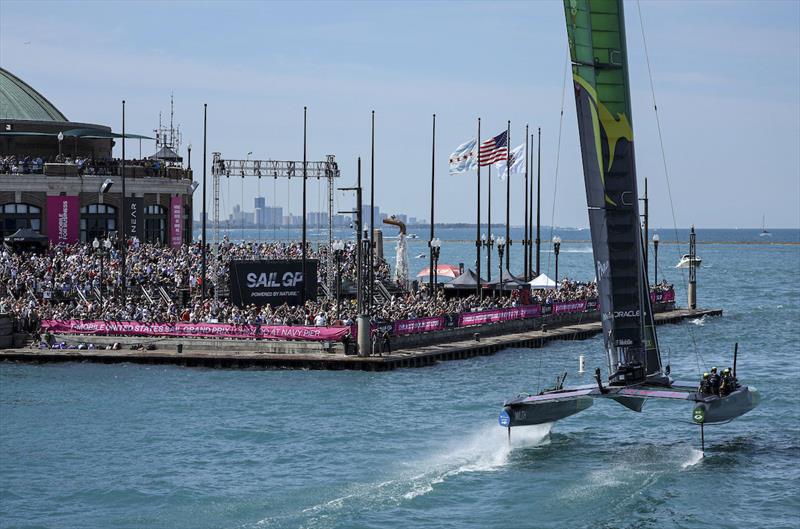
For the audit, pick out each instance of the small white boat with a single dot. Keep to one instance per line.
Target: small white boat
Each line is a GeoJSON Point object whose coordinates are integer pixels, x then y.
{"type": "Point", "coordinates": [421, 256]}
{"type": "Point", "coordinates": [685, 260]}
{"type": "Point", "coordinates": [412, 235]}
{"type": "Point", "coordinates": [764, 232]}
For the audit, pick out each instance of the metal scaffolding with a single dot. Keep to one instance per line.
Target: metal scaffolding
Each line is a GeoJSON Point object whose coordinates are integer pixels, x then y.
{"type": "Point", "coordinates": [327, 169]}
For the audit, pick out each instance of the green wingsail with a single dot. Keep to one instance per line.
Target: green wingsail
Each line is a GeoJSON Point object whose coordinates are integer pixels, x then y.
{"type": "Point", "coordinates": [596, 33]}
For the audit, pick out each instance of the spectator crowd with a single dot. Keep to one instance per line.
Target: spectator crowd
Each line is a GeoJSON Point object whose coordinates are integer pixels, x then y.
{"type": "Point", "coordinates": [164, 285]}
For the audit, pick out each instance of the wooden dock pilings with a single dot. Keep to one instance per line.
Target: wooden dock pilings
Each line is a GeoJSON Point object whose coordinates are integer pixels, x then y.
{"type": "Point", "coordinates": [420, 356]}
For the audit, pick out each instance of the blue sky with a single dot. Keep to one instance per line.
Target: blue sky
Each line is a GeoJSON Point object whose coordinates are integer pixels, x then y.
{"type": "Point", "coordinates": [727, 81]}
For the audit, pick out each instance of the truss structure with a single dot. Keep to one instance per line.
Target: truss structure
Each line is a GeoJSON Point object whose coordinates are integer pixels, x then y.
{"type": "Point", "coordinates": [327, 169]}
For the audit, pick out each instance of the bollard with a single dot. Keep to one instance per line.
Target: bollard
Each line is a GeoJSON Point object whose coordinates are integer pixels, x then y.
{"type": "Point", "coordinates": [180, 348]}
{"type": "Point", "coordinates": [544, 327]}
{"type": "Point", "coordinates": [581, 364]}
{"type": "Point", "coordinates": [477, 336]}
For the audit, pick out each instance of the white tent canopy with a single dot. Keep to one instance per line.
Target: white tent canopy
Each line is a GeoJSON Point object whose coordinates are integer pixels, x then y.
{"type": "Point", "coordinates": [542, 282]}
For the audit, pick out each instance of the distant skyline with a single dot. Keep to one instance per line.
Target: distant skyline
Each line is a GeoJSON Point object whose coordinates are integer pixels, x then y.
{"type": "Point", "coordinates": [726, 76]}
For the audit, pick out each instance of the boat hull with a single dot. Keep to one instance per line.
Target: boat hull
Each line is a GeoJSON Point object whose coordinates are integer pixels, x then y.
{"type": "Point", "coordinates": [723, 409]}
{"type": "Point", "coordinates": [532, 413]}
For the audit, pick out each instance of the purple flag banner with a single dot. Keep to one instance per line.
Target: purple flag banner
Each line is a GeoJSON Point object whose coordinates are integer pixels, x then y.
{"type": "Point", "coordinates": [176, 221]}
{"type": "Point", "coordinates": [63, 219]}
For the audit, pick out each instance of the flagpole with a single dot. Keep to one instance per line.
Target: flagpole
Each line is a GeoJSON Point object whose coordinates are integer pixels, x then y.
{"type": "Point", "coordinates": [529, 192]}
{"type": "Point", "coordinates": [525, 239]}
{"type": "Point", "coordinates": [478, 226]}
{"type": "Point", "coordinates": [433, 179]}
{"type": "Point", "coordinates": [371, 258]}
{"type": "Point", "coordinates": [303, 248]}
{"type": "Point", "coordinates": [489, 228]}
{"type": "Point", "coordinates": [538, 202]}
{"type": "Point", "coordinates": [508, 194]}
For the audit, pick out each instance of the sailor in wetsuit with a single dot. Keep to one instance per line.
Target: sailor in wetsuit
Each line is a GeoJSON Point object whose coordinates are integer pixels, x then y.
{"type": "Point", "coordinates": [714, 381]}
{"type": "Point", "coordinates": [727, 385]}
{"type": "Point", "coordinates": [705, 385]}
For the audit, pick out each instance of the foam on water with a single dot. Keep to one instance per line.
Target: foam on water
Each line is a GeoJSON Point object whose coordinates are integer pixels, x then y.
{"type": "Point", "coordinates": [694, 457]}
{"type": "Point", "coordinates": [700, 321]}
{"type": "Point", "coordinates": [486, 450]}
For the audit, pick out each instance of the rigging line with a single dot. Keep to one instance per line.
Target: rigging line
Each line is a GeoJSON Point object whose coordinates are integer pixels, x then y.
{"type": "Point", "coordinates": [558, 156]}
{"type": "Point", "coordinates": [666, 171]}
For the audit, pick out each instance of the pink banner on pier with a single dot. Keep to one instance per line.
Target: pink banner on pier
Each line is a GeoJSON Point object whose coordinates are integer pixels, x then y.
{"type": "Point", "coordinates": [667, 296]}
{"type": "Point", "coordinates": [176, 221]}
{"type": "Point", "coordinates": [497, 315]}
{"type": "Point", "coordinates": [199, 330]}
{"type": "Point", "coordinates": [63, 219]}
{"type": "Point", "coordinates": [567, 307]}
{"type": "Point", "coordinates": [434, 323]}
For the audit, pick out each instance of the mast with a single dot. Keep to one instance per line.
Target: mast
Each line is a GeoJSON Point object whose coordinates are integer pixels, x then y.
{"type": "Point", "coordinates": [596, 34]}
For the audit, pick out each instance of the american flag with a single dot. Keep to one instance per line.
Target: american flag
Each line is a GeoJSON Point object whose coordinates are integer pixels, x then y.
{"type": "Point", "coordinates": [494, 149]}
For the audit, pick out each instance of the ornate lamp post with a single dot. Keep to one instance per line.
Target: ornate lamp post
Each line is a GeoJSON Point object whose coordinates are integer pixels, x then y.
{"type": "Point", "coordinates": [556, 249]}
{"type": "Point", "coordinates": [655, 258]}
{"type": "Point", "coordinates": [436, 247]}
{"type": "Point", "coordinates": [488, 244]}
{"type": "Point", "coordinates": [338, 248]}
{"type": "Point", "coordinates": [501, 246]}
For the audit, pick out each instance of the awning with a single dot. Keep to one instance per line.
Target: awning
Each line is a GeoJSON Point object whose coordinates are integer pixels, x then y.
{"type": "Point", "coordinates": [442, 271]}
{"type": "Point", "coordinates": [542, 282]}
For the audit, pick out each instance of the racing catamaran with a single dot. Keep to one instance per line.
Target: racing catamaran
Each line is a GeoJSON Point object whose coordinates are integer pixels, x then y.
{"type": "Point", "coordinates": [596, 34]}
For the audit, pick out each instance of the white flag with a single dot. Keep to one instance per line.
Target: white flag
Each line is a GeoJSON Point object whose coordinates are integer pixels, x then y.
{"type": "Point", "coordinates": [516, 161]}
{"type": "Point", "coordinates": [465, 158]}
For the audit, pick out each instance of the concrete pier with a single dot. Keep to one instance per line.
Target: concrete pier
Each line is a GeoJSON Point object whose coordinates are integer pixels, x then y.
{"type": "Point", "coordinates": [318, 357]}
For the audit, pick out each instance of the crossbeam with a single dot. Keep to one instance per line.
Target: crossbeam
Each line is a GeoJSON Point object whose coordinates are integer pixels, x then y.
{"type": "Point", "coordinates": [274, 168]}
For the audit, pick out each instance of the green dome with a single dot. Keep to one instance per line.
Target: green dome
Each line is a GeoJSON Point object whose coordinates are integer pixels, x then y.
{"type": "Point", "coordinates": [21, 102]}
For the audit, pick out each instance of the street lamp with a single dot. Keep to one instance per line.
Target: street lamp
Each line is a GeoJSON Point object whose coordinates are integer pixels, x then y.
{"type": "Point", "coordinates": [436, 246]}
{"type": "Point", "coordinates": [501, 246]}
{"type": "Point", "coordinates": [556, 249]}
{"type": "Point", "coordinates": [190, 157]}
{"type": "Point", "coordinates": [488, 244]}
{"type": "Point", "coordinates": [60, 139]}
{"type": "Point", "coordinates": [338, 248]}
{"type": "Point", "coordinates": [655, 258]}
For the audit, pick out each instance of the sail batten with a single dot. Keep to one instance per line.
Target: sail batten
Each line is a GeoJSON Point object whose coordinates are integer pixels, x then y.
{"type": "Point", "coordinates": [596, 33]}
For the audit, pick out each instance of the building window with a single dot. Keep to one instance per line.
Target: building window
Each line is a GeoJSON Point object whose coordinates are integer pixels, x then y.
{"type": "Point", "coordinates": [155, 224]}
{"type": "Point", "coordinates": [97, 220]}
{"type": "Point", "coordinates": [18, 216]}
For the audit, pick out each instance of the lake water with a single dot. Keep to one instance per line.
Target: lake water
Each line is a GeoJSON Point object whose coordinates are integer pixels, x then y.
{"type": "Point", "coordinates": [129, 446]}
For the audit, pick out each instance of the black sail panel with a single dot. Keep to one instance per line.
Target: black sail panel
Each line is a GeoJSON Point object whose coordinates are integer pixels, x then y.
{"type": "Point", "coordinates": [600, 76]}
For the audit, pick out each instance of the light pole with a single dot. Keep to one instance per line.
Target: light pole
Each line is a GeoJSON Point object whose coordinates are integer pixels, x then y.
{"type": "Point", "coordinates": [556, 249]}
{"type": "Point", "coordinates": [501, 246]}
{"type": "Point", "coordinates": [488, 244]}
{"type": "Point", "coordinates": [106, 246]}
{"type": "Point", "coordinates": [655, 258]}
{"type": "Point", "coordinates": [60, 139]}
{"type": "Point", "coordinates": [338, 247]}
{"type": "Point", "coordinates": [436, 246]}
{"type": "Point", "coordinates": [189, 148]}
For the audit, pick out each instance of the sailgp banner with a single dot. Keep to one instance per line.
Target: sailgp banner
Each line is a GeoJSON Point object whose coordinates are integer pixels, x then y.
{"type": "Point", "coordinates": [176, 221]}
{"type": "Point", "coordinates": [566, 307]}
{"type": "Point", "coordinates": [272, 282]}
{"type": "Point", "coordinates": [435, 323]}
{"type": "Point", "coordinates": [497, 315]}
{"type": "Point", "coordinates": [199, 330]}
{"type": "Point", "coordinates": [63, 219]}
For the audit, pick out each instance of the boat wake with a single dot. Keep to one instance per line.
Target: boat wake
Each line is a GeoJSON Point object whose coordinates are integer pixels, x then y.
{"type": "Point", "coordinates": [486, 450]}
{"type": "Point", "coordinates": [694, 457]}
{"type": "Point", "coordinates": [700, 321]}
